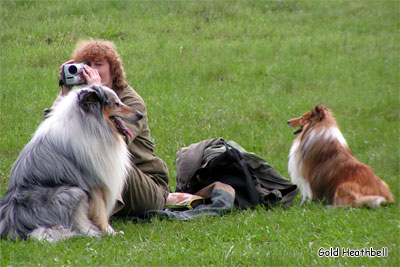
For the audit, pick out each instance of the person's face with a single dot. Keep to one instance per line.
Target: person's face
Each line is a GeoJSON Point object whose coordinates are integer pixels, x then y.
{"type": "Point", "coordinates": [103, 67]}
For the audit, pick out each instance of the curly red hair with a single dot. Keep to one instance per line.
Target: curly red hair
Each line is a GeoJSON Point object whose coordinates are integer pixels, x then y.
{"type": "Point", "coordinates": [92, 50]}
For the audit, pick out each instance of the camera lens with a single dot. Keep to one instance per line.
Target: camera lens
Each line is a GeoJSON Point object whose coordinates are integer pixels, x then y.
{"type": "Point", "coordinates": [73, 69]}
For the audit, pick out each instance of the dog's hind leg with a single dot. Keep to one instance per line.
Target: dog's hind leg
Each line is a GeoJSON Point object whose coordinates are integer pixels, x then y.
{"type": "Point", "coordinates": [63, 213]}
{"type": "Point", "coordinates": [346, 195]}
{"type": "Point", "coordinates": [370, 201]}
{"type": "Point", "coordinates": [349, 194]}
{"type": "Point", "coordinates": [53, 234]}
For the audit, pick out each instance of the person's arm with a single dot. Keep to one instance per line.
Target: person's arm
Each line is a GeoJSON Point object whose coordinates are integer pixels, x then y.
{"type": "Point", "coordinates": [130, 98]}
{"type": "Point", "coordinates": [63, 92]}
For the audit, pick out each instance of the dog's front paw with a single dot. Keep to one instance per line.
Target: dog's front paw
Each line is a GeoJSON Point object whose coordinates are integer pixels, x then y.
{"type": "Point", "coordinates": [111, 231]}
{"type": "Point", "coordinates": [305, 200]}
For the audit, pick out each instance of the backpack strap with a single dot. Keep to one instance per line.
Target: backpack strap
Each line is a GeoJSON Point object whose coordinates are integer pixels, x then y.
{"type": "Point", "coordinates": [254, 198]}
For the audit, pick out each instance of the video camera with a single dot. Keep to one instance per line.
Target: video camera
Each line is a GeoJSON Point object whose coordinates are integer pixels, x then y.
{"type": "Point", "coordinates": [72, 74]}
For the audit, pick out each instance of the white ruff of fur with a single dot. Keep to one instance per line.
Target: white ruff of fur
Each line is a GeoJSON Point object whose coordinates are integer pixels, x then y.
{"type": "Point", "coordinates": [91, 144]}
{"type": "Point", "coordinates": [334, 133]}
{"type": "Point", "coordinates": [295, 164]}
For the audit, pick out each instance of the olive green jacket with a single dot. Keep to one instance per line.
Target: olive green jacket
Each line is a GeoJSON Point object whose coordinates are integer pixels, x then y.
{"type": "Point", "coordinates": [141, 147]}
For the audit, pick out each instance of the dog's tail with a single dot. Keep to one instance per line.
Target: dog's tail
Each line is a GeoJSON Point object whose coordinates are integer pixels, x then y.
{"type": "Point", "coordinates": [370, 201]}
{"type": "Point", "coordinates": [5, 226]}
{"type": "Point", "coordinates": [9, 224]}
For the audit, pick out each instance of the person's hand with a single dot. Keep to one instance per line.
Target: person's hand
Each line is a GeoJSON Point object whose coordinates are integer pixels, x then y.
{"type": "Point", "coordinates": [91, 75]}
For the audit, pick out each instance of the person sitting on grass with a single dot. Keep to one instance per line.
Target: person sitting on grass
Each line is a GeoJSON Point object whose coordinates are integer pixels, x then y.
{"type": "Point", "coordinates": [147, 184]}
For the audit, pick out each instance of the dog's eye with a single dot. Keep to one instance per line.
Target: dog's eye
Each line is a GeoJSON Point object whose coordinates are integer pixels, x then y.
{"type": "Point", "coordinates": [117, 104]}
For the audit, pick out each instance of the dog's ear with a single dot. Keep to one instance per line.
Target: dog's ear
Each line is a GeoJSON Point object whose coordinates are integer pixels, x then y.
{"type": "Point", "coordinates": [320, 111]}
{"type": "Point", "coordinates": [88, 98]}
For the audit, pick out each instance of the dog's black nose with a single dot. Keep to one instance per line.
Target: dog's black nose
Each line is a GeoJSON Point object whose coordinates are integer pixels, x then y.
{"type": "Point", "coordinates": [288, 122]}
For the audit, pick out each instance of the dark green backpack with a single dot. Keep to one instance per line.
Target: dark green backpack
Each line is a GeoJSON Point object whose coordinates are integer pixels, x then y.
{"type": "Point", "coordinates": [255, 182]}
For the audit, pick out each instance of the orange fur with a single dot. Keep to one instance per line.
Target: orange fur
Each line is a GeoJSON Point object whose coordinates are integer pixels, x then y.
{"type": "Point", "coordinates": [321, 159]}
{"type": "Point", "coordinates": [97, 208]}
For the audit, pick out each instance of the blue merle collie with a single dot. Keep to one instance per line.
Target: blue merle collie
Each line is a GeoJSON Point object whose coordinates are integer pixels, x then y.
{"type": "Point", "coordinates": [67, 178]}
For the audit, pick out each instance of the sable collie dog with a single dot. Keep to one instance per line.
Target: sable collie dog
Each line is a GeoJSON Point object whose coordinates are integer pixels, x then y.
{"type": "Point", "coordinates": [67, 178]}
{"type": "Point", "coordinates": [321, 164]}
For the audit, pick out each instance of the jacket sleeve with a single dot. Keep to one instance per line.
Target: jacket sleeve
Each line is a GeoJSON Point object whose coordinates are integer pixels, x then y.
{"type": "Point", "coordinates": [130, 98]}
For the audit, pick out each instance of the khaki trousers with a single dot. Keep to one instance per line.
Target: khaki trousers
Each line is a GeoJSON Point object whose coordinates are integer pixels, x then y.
{"type": "Point", "coordinates": [141, 193]}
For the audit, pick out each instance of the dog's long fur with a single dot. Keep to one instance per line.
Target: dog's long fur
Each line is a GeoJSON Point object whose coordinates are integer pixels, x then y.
{"type": "Point", "coordinates": [66, 179]}
{"type": "Point", "coordinates": [321, 164]}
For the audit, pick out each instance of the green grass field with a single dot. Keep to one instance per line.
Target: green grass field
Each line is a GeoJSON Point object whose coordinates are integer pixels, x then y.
{"type": "Point", "coordinates": [235, 69]}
